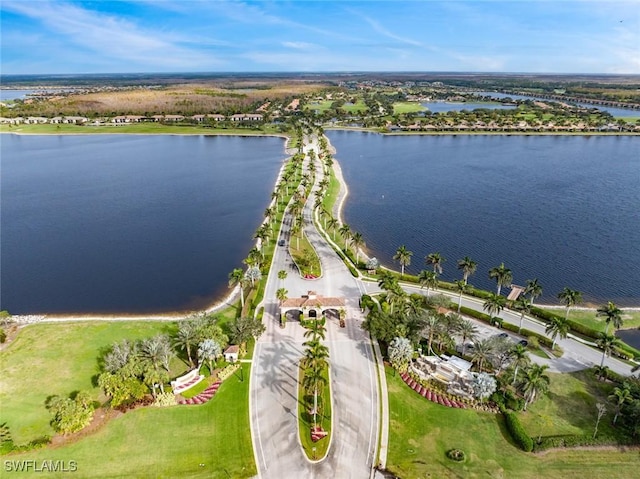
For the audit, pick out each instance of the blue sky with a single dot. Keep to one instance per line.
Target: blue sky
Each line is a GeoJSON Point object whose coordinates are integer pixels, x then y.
{"type": "Point", "coordinates": [114, 36]}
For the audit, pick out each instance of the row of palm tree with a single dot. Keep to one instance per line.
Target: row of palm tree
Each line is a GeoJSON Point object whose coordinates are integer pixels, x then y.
{"type": "Point", "coordinates": [315, 363]}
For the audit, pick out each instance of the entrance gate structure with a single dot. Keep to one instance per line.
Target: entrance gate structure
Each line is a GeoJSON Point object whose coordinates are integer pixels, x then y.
{"type": "Point", "coordinates": [312, 306]}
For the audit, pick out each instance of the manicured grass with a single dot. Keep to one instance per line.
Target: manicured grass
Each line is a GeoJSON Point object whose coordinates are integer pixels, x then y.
{"type": "Point", "coordinates": [331, 194]}
{"type": "Point", "coordinates": [209, 441]}
{"type": "Point", "coordinates": [588, 318]}
{"type": "Point", "coordinates": [57, 359]}
{"type": "Point", "coordinates": [305, 420]}
{"type": "Point", "coordinates": [401, 107]}
{"type": "Point", "coordinates": [420, 433]}
{"type": "Point", "coordinates": [140, 128]}
{"type": "Point", "coordinates": [359, 105]}
{"type": "Point", "coordinates": [320, 106]}
{"type": "Point", "coordinates": [569, 407]}
{"type": "Point", "coordinates": [300, 249]}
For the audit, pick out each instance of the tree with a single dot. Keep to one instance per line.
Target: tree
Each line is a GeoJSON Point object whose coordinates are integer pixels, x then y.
{"type": "Point", "coordinates": [435, 260]}
{"type": "Point", "coordinates": [313, 381]}
{"type": "Point", "coordinates": [468, 267]}
{"type": "Point", "coordinates": [403, 256]}
{"type": "Point", "coordinates": [557, 327]}
{"type": "Point", "coordinates": [468, 331]}
{"type": "Point", "coordinates": [373, 264]}
{"type": "Point", "coordinates": [236, 278]}
{"type": "Point", "coordinates": [358, 242]}
{"type": "Point", "coordinates": [534, 382]}
{"type": "Point", "coordinates": [209, 350]}
{"type": "Point", "coordinates": [484, 385]}
{"type": "Point", "coordinates": [428, 279]}
{"type": "Point", "coordinates": [187, 337]}
{"type": "Point", "coordinates": [482, 352]}
{"type": "Point", "coordinates": [533, 289]}
{"type": "Point", "coordinates": [494, 305]}
{"type": "Point", "coordinates": [121, 354]}
{"type": "Point", "coordinates": [157, 351]}
{"type": "Point", "coordinates": [607, 343]}
{"type": "Point", "coordinates": [254, 258]}
{"type": "Point", "coordinates": [569, 297]}
{"type": "Point", "coordinates": [345, 231]}
{"type": "Point", "coordinates": [121, 387]}
{"type": "Point", "coordinates": [244, 328]}
{"type": "Point", "coordinates": [612, 315]}
{"type": "Point", "coordinates": [281, 294]}
{"type": "Point", "coordinates": [502, 275]}
{"type": "Point", "coordinates": [71, 415]}
{"type": "Point", "coordinates": [333, 223]}
{"type": "Point", "coordinates": [461, 287]}
{"type": "Point", "coordinates": [619, 397]}
{"type": "Point", "coordinates": [523, 305]}
{"type": "Point", "coordinates": [400, 353]}
{"type": "Point", "coordinates": [282, 275]}
{"type": "Point", "coordinates": [519, 359]}
{"type": "Point", "coordinates": [253, 274]}
{"type": "Point", "coordinates": [602, 410]}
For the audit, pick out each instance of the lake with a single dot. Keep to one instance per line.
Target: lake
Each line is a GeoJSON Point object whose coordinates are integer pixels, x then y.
{"type": "Point", "coordinates": [617, 112]}
{"type": "Point", "coordinates": [13, 94]}
{"type": "Point", "coordinates": [445, 106]}
{"type": "Point", "coordinates": [129, 223]}
{"type": "Point", "coordinates": [563, 209]}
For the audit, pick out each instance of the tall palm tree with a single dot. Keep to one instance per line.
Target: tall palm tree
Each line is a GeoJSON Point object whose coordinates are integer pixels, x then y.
{"type": "Point", "coordinates": [236, 277]}
{"type": "Point", "coordinates": [333, 223]}
{"type": "Point", "coordinates": [482, 352]}
{"type": "Point", "coordinates": [533, 289]}
{"type": "Point", "coordinates": [494, 305]}
{"type": "Point", "coordinates": [387, 281]}
{"type": "Point", "coordinates": [345, 231]}
{"type": "Point", "coordinates": [209, 350]}
{"type": "Point", "coordinates": [461, 287]}
{"type": "Point", "coordinates": [619, 397]}
{"type": "Point", "coordinates": [519, 358]}
{"type": "Point", "coordinates": [435, 260]}
{"type": "Point", "coordinates": [358, 242]}
{"type": "Point", "coordinates": [253, 274]}
{"type": "Point", "coordinates": [523, 305]}
{"type": "Point", "coordinates": [607, 343]}
{"type": "Point", "coordinates": [534, 382]}
{"type": "Point", "coordinates": [281, 295]}
{"type": "Point", "coordinates": [431, 326]}
{"type": "Point", "coordinates": [612, 315]}
{"type": "Point", "coordinates": [187, 337]}
{"type": "Point", "coordinates": [468, 267]}
{"type": "Point", "coordinates": [296, 231]}
{"type": "Point", "coordinates": [468, 331]}
{"type": "Point", "coordinates": [428, 279]}
{"type": "Point", "coordinates": [313, 382]}
{"type": "Point", "coordinates": [502, 275]}
{"type": "Point", "coordinates": [403, 256]}
{"type": "Point", "coordinates": [282, 274]}
{"type": "Point", "coordinates": [570, 297]}
{"type": "Point", "coordinates": [557, 327]}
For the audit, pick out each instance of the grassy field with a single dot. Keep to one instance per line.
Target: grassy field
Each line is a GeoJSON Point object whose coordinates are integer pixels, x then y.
{"type": "Point", "coordinates": [139, 128]}
{"type": "Point", "coordinates": [209, 441]}
{"type": "Point", "coordinates": [569, 408]}
{"type": "Point", "coordinates": [401, 107]}
{"type": "Point", "coordinates": [420, 433]}
{"type": "Point", "coordinates": [588, 318]}
{"type": "Point", "coordinates": [305, 255]}
{"type": "Point", "coordinates": [57, 359]}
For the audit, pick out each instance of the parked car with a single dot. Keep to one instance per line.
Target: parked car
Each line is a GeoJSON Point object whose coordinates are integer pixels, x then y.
{"type": "Point", "coordinates": [523, 342]}
{"type": "Point", "coordinates": [281, 243]}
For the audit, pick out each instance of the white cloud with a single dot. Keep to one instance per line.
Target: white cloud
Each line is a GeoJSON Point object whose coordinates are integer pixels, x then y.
{"type": "Point", "coordinates": [298, 45]}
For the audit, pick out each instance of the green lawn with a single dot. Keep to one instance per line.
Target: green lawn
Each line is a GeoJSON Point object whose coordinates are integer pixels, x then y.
{"type": "Point", "coordinates": [210, 441]}
{"type": "Point", "coordinates": [305, 255]}
{"type": "Point", "coordinates": [401, 107]}
{"type": "Point", "coordinates": [420, 433]}
{"type": "Point", "coordinates": [57, 359]}
{"type": "Point", "coordinates": [588, 318]}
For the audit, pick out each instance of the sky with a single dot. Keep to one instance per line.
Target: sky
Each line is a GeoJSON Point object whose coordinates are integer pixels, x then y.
{"type": "Point", "coordinates": [163, 36]}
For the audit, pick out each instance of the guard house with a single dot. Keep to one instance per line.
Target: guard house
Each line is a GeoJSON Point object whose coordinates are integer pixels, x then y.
{"type": "Point", "coordinates": [311, 306]}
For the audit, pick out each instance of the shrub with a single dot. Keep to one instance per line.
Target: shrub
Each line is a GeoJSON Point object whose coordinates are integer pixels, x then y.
{"type": "Point", "coordinates": [576, 440]}
{"type": "Point", "coordinates": [456, 455]}
{"type": "Point", "coordinates": [518, 433]}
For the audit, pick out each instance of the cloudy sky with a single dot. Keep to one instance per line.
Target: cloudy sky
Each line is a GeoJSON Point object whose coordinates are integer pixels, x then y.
{"type": "Point", "coordinates": [114, 36]}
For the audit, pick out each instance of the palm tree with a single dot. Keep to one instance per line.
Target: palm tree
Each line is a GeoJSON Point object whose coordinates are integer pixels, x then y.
{"type": "Point", "coordinates": [431, 326]}
{"type": "Point", "coordinates": [428, 279]}
{"type": "Point", "coordinates": [519, 358]}
{"type": "Point", "coordinates": [533, 289]}
{"type": "Point", "coordinates": [403, 256]}
{"type": "Point", "coordinates": [494, 305]}
{"type": "Point", "coordinates": [295, 231]}
{"type": "Point", "coordinates": [358, 242]}
{"type": "Point", "coordinates": [333, 223]}
{"type": "Point", "coordinates": [313, 381]}
{"type": "Point", "coordinates": [269, 212]}
{"type": "Point", "coordinates": [435, 260]}
{"type": "Point", "coordinates": [282, 274]}
{"type": "Point", "coordinates": [619, 397]}
{"type": "Point", "coordinates": [387, 281]}
{"type": "Point", "coordinates": [461, 287]}
{"type": "Point", "coordinates": [523, 305]}
{"type": "Point", "coordinates": [557, 327]}
{"type": "Point", "coordinates": [281, 294]}
{"type": "Point", "coordinates": [187, 337]}
{"type": "Point", "coordinates": [468, 331]}
{"type": "Point", "coordinates": [236, 277]}
{"type": "Point", "coordinates": [612, 315]}
{"type": "Point", "coordinates": [253, 274]}
{"type": "Point", "coordinates": [534, 382]}
{"type": "Point", "coordinates": [262, 234]}
{"type": "Point", "coordinates": [570, 297]}
{"type": "Point", "coordinates": [468, 267]}
{"type": "Point", "coordinates": [482, 352]}
{"type": "Point", "coordinates": [209, 350]}
{"type": "Point", "coordinates": [345, 231]}
{"type": "Point", "coordinates": [502, 275]}
{"type": "Point", "coordinates": [254, 258]}
{"type": "Point", "coordinates": [317, 331]}
{"type": "Point", "coordinates": [607, 343]}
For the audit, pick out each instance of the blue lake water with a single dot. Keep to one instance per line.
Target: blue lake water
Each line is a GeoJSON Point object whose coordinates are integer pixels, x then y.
{"type": "Point", "coordinates": [617, 112]}
{"type": "Point", "coordinates": [445, 106]}
{"type": "Point", "coordinates": [563, 209]}
{"type": "Point", "coordinates": [13, 94]}
{"type": "Point", "coordinates": [128, 223]}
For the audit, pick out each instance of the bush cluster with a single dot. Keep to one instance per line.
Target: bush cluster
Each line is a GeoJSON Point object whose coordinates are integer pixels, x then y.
{"type": "Point", "coordinates": [576, 440]}
{"type": "Point", "coordinates": [518, 433]}
{"type": "Point", "coordinates": [456, 455]}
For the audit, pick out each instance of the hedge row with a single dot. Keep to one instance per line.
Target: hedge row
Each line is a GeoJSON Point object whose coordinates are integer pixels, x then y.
{"type": "Point", "coordinates": [518, 433]}
{"type": "Point", "coordinates": [549, 442]}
